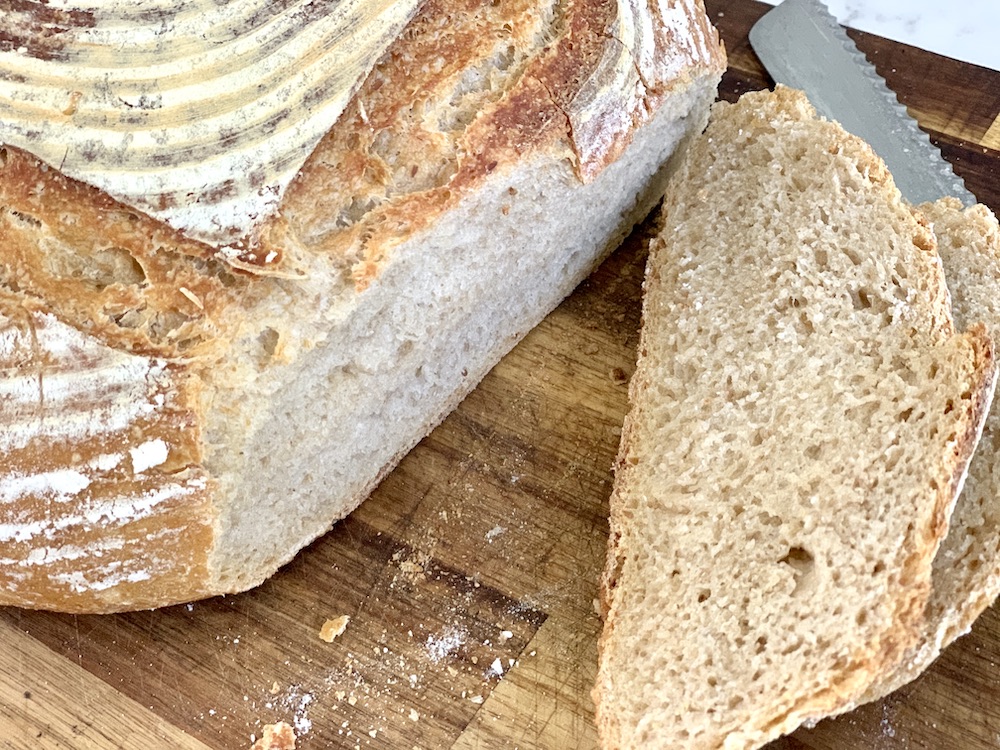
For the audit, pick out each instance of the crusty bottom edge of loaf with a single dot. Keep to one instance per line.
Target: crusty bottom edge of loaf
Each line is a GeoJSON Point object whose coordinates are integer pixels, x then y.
{"type": "Point", "coordinates": [450, 304]}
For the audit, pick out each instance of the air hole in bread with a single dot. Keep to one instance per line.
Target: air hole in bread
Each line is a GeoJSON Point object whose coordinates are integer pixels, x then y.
{"type": "Point", "coordinates": [165, 323]}
{"type": "Point", "coordinates": [791, 648]}
{"type": "Point", "coordinates": [354, 211]}
{"type": "Point", "coordinates": [116, 265]}
{"type": "Point", "coordinates": [861, 300]}
{"type": "Point", "coordinates": [766, 519]}
{"type": "Point", "coordinates": [800, 560]}
{"type": "Point", "coordinates": [268, 340]}
{"type": "Point", "coordinates": [737, 469]}
{"type": "Point", "coordinates": [783, 305]}
{"type": "Point", "coordinates": [103, 267]}
{"type": "Point", "coordinates": [10, 285]}
{"type": "Point", "coordinates": [127, 319]}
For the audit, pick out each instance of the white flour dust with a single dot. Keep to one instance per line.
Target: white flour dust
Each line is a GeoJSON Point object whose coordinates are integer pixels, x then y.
{"type": "Point", "coordinates": [447, 643]}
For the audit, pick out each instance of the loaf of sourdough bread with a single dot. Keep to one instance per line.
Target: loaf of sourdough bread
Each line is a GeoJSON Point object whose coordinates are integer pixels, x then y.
{"type": "Point", "coordinates": [176, 425]}
{"type": "Point", "coordinates": [966, 573]}
{"type": "Point", "coordinates": [801, 420]}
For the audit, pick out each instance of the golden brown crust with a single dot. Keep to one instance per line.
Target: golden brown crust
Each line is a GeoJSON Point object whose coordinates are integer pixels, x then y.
{"type": "Point", "coordinates": [982, 388]}
{"type": "Point", "coordinates": [104, 311]}
{"type": "Point", "coordinates": [128, 280]}
{"type": "Point", "coordinates": [401, 160]}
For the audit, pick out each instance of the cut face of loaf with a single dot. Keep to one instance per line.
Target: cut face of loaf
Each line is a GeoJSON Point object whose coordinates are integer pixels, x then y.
{"type": "Point", "coordinates": [966, 574]}
{"type": "Point", "coordinates": [802, 416]}
{"type": "Point", "coordinates": [176, 426]}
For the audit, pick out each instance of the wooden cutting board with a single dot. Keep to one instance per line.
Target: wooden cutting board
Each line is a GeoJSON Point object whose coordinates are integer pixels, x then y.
{"type": "Point", "coordinates": [470, 575]}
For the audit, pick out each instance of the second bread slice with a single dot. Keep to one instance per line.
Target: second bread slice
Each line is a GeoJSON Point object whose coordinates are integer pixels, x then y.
{"type": "Point", "coordinates": [802, 418]}
{"type": "Point", "coordinates": [966, 573]}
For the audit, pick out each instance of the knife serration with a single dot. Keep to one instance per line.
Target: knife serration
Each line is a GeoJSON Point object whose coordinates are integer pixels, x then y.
{"type": "Point", "coordinates": [803, 46]}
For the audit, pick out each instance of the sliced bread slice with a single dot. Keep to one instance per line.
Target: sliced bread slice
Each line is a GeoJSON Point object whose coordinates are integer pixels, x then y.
{"type": "Point", "coordinates": [802, 417]}
{"type": "Point", "coordinates": [966, 574]}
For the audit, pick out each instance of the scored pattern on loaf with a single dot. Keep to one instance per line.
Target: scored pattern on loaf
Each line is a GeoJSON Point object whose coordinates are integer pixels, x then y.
{"type": "Point", "coordinates": [198, 113]}
{"type": "Point", "coordinates": [92, 461]}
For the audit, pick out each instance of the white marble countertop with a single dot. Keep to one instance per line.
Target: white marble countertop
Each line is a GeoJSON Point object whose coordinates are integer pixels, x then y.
{"type": "Point", "coordinates": [967, 30]}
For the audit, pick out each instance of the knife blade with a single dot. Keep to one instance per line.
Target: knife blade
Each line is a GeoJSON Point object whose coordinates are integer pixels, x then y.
{"type": "Point", "coordinates": [801, 45]}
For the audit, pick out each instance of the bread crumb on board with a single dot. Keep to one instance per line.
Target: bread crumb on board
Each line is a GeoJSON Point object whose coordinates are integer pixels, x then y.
{"type": "Point", "coordinates": [332, 628]}
{"type": "Point", "coordinates": [278, 736]}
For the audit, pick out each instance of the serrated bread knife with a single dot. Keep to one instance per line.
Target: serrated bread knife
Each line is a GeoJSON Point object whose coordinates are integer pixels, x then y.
{"type": "Point", "coordinates": [802, 46]}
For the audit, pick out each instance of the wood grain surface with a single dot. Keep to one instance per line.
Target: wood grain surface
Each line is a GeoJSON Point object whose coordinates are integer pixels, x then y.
{"type": "Point", "coordinates": [471, 573]}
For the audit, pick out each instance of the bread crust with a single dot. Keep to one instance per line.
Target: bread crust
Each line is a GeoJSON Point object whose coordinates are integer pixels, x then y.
{"type": "Point", "coordinates": [558, 100]}
{"type": "Point", "coordinates": [103, 492]}
{"type": "Point", "coordinates": [126, 296]}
